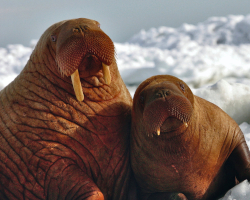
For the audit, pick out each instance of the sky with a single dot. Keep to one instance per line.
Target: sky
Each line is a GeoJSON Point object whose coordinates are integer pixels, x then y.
{"type": "Point", "coordinates": [22, 21]}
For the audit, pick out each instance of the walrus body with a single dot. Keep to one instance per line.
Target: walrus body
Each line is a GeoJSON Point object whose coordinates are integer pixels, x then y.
{"type": "Point", "coordinates": [183, 144]}
{"type": "Point", "coordinates": [64, 141]}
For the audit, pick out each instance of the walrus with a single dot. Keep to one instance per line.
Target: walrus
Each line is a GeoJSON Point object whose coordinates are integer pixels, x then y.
{"type": "Point", "coordinates": [182, 146]}
{"type": "Point", "coordinates": [65, 120]}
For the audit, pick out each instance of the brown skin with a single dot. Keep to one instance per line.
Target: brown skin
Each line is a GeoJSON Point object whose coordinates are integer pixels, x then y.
{"type": "Point", "coordinates": [53, 146]}
{"type": "Point", "coordinates": [200, 149]}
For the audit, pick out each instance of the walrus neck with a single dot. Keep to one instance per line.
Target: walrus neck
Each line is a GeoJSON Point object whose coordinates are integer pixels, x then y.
{"type": "Point", "coordinates": [183, 140]}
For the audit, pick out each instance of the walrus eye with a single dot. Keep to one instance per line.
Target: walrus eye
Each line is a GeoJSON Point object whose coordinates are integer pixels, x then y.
{"type": "Point", "coordinates": [53, 38]}
{"type": "Point", "coordinates": [182, 87]}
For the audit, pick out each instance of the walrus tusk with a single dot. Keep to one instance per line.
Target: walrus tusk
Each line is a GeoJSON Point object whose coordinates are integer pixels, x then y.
{"type": "Point", "coordinates": [75, 78]}
{"type": "Point", "coordinates": [159, 131]}
{"type": "Point", "coordinates": [106, 74]}
{"type": "Point", "coordinates": [185, 123]}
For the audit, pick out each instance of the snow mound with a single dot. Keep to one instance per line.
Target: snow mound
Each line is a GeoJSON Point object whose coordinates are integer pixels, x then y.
{"type": "Point", "coordinates": [233, 98]}
{"type": "Point", "coordinates": [231, 30]}
{"type": "Point", "coordinates": [200, 55]}
{"type": "Point", "coordinates": [12, 60]}
{"type": "Point", "coordinates": [239, 192]}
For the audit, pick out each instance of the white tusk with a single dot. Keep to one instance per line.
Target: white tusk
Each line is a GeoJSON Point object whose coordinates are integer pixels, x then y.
{"type": "Point", "coordinates": [106, 74]}
{"type": "Point", "coordinates": [159, 131]}
{"type": "Point", "coordinates": [75, 78]}
{"type": "Point", "coordinates": [185, 123]}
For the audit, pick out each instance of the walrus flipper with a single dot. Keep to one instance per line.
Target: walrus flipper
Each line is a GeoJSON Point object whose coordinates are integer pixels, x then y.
{"type": "Point", "coordinates": [240, 158]}
{"type": "Point", "coordinates": [65, 180]}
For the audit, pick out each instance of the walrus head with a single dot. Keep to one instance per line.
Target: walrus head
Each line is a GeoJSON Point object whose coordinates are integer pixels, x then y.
{"type": "Point", "coordinates": [162, 104]}
{"type": "Point", "coordinates": [80, 49]}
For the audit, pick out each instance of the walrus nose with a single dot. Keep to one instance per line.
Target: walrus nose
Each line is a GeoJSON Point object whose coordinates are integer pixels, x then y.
{"type": "Point", "coordinates": [163, 93]}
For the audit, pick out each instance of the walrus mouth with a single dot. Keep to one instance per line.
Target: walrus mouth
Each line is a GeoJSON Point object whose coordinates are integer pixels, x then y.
{"type": "Point", "coordinates": [160, 129]}
{"type": "Point", "coordinates": [167, 115]}
{"type": "Point", "coordinates": [75, 78]}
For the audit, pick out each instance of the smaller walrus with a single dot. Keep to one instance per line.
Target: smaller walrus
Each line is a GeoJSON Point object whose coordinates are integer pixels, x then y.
{"type": "Point", "coordinates": [182, 146]}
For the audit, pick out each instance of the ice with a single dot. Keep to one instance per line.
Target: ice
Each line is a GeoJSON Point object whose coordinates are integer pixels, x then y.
{"type": "Point", "coordinates": [233, 98]}
{"type": "Point", "coordinates": [239, 192]}
{"type": "Point", "coordinates": [12, 60]}
{"type": "Point", "coordinates": [199, 54]}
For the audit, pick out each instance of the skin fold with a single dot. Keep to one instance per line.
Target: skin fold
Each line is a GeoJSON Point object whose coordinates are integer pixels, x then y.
{"type": "Point", "coordinates": [54, 145]}
{"type": "Point", "coordinates": [182, 146]}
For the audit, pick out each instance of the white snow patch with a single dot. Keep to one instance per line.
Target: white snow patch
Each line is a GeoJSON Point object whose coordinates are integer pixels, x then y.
{"type": "Point", "coordinates": [239, 192]}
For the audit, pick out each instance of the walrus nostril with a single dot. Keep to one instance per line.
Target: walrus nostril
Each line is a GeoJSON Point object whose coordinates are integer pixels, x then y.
{"type": "Point", "coordinates": [84, 27]}
{"type": "Point", "coordinates": [167, 92]}
{"type": "Point", "coordinates": [163, 93]}
{"type": "Point", "coordinates": [76, 30]}
{"type": "Point", "coordinates": [80, 29]}
{"type": "Point", "coordinates": [159, 95]}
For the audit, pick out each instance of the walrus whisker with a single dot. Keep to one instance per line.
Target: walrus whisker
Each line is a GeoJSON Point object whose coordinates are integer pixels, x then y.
{"type": "Point", "coordinates": [59, 69]}
{"type": "Point", "coordinates": [75, 78]}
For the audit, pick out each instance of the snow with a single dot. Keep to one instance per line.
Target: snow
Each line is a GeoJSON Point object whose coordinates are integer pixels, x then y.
{"type": "Point", "coordinates": [212, 57]}
{"type": "Point", "coordinates": [233, 98]}
{"type": "Point", "coordinates": [202, 54]}
{"type": "Point", "coordinates": [12, 60]}
{"type": "Point", "coordinates": [239, 192]}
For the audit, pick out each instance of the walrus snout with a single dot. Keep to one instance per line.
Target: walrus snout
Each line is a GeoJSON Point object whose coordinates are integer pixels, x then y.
{"type": "Point", "coordinates": [168, 113]}
{"type": "Point", "coordinates": [76, 41]}
{"type": "Point", "coordinates": [79, 39]}
{"type": "Point", "coordinates": [166, 108]}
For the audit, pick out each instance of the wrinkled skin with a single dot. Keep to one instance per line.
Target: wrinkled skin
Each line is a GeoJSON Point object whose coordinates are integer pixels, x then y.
{"type": "Point", "coordinates": [54, 146]}
{"type": "Point", "coordinates": [182, 146]}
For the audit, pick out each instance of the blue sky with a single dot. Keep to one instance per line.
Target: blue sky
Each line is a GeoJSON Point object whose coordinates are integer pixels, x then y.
{"type": "Point", "coordinates": [23, 20]}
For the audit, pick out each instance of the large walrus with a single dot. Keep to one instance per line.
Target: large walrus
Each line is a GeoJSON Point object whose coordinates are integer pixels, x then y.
{"type": "Point", "coordinates": [182, 146]}
{"type": "Point", "coordinates": [65, 120]}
